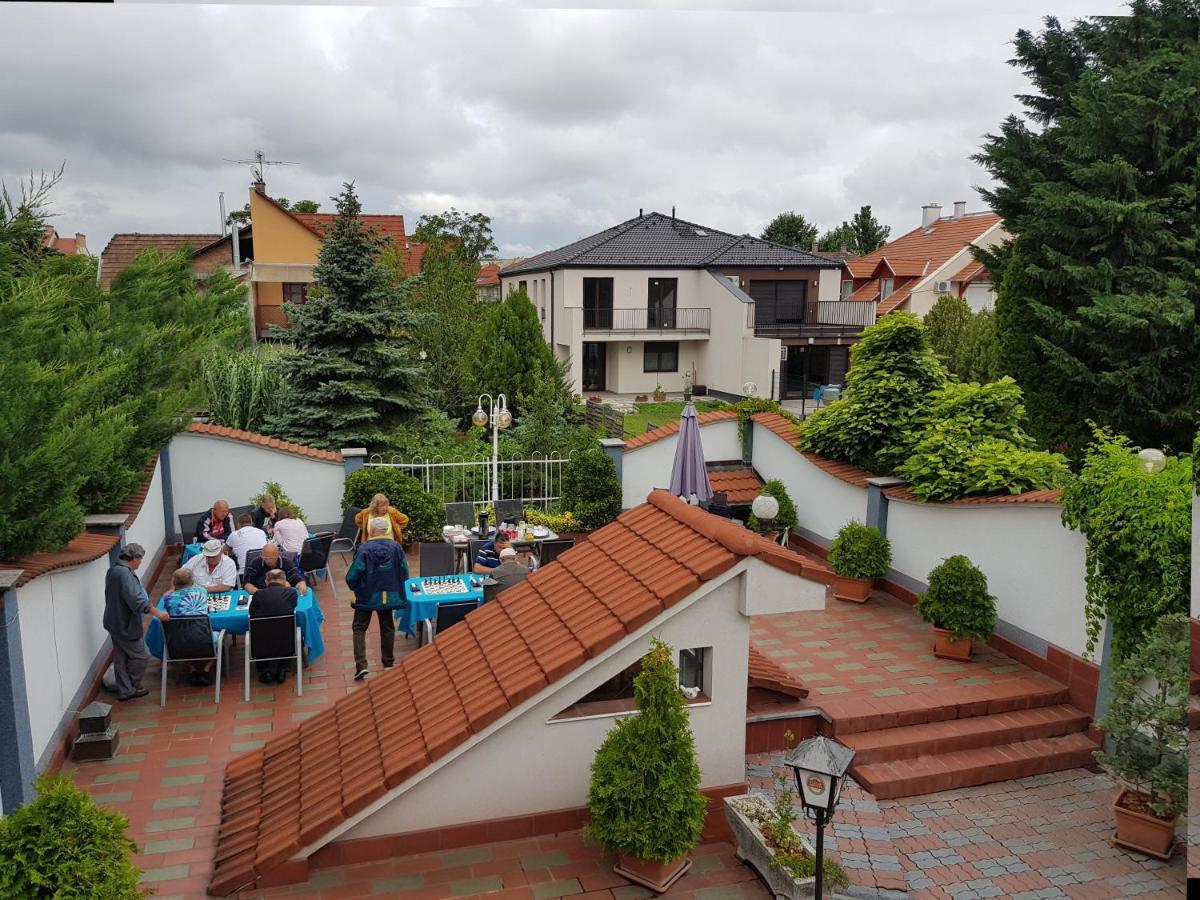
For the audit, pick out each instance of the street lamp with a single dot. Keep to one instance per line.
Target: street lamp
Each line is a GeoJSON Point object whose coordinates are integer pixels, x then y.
{"type": "Point", "coordinates": [820, 766]}
{"type": "Point", "coordinates": [1153, 461]}
{"type": "Point", "coordinates": [499, 418]}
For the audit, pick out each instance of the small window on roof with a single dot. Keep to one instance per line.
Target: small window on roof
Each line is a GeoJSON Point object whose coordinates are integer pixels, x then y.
{"type": "Point", "coordinates": [885, 288]}
{"type": "Point", "coordinates": [615, 696]}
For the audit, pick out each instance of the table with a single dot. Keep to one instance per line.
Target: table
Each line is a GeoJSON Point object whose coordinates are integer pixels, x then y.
{"type": "Point", "coordinates": [236, 620]}
{"type": "Point", "coordinates": [462, 547]}
{"type": "Point", "coordinates": [423, 598]}
{"type": "Point", "coordinates": [193, 550]}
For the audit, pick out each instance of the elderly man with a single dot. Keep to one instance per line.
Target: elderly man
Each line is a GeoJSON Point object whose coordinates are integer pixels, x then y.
{"type": "Point", "coordinates": [276, 599]}
{"type": "Point", "coordinates": [377, 578]}
{"type": "Point", "coordinates": [216, 524]}
{"type": "Point", "coordinates": [212, 569]}
{"type": "Point", "coordinates": [255, 577]}
{"type": "Point", "coordinates": [188, 599]}
{"type": "Point", "coordinates": [125, 605]}
{"type": "Point", "coordinates": [488, 557]}
{"type": "Point", "coordinates": [511, 569]}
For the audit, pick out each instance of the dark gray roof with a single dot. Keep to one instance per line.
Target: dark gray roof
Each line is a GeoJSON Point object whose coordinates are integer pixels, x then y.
{"type": "Point", "coordinates": [657, 240]}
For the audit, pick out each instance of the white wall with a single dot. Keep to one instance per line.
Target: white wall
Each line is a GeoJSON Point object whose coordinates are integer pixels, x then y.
{"type": "Point", "coordinates": [205, 468]}
{"type": "Point", "coordinates": [922, 299]}
{"type": "Point", "coordinates": [829, 285]}
{"type": "Point", "coordinates": [649, 466]}
{"type": "Point", "coordinates": [149, 528]}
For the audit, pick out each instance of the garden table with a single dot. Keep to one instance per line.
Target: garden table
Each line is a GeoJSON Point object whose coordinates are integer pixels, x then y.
{"type": "Point", "coordinates": [461, 547]}
{"type": "Point", "coordinates": [424, 595]}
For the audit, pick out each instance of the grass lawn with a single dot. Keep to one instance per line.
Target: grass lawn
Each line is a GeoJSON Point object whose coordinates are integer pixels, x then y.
{"type": "Point", "coordinates": [661, 413]}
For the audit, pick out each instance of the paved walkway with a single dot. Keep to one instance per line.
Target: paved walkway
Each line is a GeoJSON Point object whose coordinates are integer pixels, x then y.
{"type": "Point", "coordinates": [1193, 849]}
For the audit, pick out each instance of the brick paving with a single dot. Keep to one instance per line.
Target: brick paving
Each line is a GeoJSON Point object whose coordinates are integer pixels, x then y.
{"type": "Point", "coordinates": [1193, 818]}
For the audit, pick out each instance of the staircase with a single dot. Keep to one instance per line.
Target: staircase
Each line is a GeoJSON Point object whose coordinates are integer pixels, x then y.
{"type": "Point", "coordinates": [941, 747]}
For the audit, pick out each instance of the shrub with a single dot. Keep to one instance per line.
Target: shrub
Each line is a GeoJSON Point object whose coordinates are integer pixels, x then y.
{"type": "Point", "coordinates": [63, 846]}
{"type": "Point", "coordinates": [1147, 719]}
{"type": "Point", "coordinates": [860, 551]}
{"type": "Point", "coordinates": [590, 489]}
{"type": "Point", "coordinates": [426, 515]}
{"type": "Point", "coordinates": [645, 798]}
{"type": "Point", "coordinates": [282, 500]}
{"type": "Point", "coordinates": [958, 600]}
{"type": "Point", "coordinates": [558, 522]}
{"type": "Point", "coordinates": [786, 519]}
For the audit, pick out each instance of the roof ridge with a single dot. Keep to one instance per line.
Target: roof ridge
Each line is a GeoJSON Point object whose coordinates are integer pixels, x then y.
{"type": "Point", "coordinates": [264, 440]}
{"type": "Point", "coordinates": [617, 230]}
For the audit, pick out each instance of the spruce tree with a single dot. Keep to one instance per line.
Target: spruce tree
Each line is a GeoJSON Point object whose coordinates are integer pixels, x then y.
{"type": "Point", "coordinates": [1097, 182]}
{"type": "Point", "coordinates": [353, 373]}
{"type": "Point", "coordinates": [869, 235]}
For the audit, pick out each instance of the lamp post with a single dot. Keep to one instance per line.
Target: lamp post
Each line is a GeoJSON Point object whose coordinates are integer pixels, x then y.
{"type": "Point", "coordinates": [499, 418]}
{"type": "Point", "coordinates": [765, 509]}
{"type": "Point", "coordinates": [820, 766]}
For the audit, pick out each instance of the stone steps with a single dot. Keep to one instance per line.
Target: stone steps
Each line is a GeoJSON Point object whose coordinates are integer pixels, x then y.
{"type": "Point", "coordinates": [962, 703]}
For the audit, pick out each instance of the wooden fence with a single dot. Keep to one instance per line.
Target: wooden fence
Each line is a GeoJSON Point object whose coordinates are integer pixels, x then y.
{"type": "Point", "coordinates": [610, 421]}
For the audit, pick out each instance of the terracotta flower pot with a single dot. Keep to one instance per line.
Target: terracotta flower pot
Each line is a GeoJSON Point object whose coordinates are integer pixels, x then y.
{"type": "Point", "coordinates": [945, 647]}
{"type": "Point", "coordinates": [1141, 830]}
{"type": "Point", "coordinates": [650, 873]}
{"type": "Point", "coordinates": [856, 590]}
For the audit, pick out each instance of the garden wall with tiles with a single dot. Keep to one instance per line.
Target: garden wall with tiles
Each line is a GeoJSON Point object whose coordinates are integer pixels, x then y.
{"type": "Point", "coordinates": [647, 463]}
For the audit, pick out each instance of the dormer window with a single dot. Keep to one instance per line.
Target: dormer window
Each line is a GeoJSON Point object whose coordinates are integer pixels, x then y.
{"type": "Point", "coordinates": [886, 286]}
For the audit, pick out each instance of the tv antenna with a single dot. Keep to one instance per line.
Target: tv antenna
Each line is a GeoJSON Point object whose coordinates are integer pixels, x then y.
{"type": "Point", "coordinates": [259, 163]}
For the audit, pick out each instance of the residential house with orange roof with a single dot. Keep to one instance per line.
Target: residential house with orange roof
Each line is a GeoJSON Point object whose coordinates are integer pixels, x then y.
{"type": "Point", "coordinates": [911, 272]}
{"type": "Point", "coordinates": [65, 245]}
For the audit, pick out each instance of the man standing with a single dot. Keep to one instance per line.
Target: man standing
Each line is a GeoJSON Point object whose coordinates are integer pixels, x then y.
{"type": "Point", "coordinates": [125, 603]}
{"type": "Point", "coordinates": [276, 599]}
{"type": "Point", "coordinates": [212, 569]}
{"type": "Point", "coordinates": [377, 578]}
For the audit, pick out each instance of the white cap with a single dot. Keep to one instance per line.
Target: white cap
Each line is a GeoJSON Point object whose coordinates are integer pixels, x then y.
{"type": "Point", "coordinates": [507, 553]}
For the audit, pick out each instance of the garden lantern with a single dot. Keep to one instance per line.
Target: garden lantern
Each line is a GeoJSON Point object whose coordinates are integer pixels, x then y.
{"type": "Point", "coordinates": [1151, 460]}
{"type": "Point", "coordinates": [820, 766]}
{"type": "Point", "coordinates": [499, 418]}
{"type": "Point", "coordinates": [765, 508]}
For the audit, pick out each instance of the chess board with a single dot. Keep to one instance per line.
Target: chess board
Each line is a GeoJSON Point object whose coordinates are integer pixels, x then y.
{"type": "Point", "coordinates": [442, 586]}
{"type": "Point", "coordinates": [218, 603]}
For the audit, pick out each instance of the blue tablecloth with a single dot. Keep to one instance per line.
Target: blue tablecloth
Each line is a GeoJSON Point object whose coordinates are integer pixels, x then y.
{"type": "Point", "coordinates": [236, 620]}
{"type": "Point", "coordinates": [421, 606]}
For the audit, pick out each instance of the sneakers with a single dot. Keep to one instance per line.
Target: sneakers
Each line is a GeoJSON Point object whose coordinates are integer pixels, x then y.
{"type": "Point", "coordinates": [138, 693]}
{"type": "Point", "coordinates": [360, 674]}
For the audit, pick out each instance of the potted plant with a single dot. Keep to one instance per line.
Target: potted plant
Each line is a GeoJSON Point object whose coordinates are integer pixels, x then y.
{"type": "Point", "coordinates": [659, 394]}
{"type": "Point", "coordinates": [641, 398]}
{"type": "Point", "coordinates": [859, 554]}
{"type": "Point", "coordinates": [1146, 723]}
{"type": "Point", "coordinates": [959, 607]}
{"type": "Point", "coordinates": [645, 800]}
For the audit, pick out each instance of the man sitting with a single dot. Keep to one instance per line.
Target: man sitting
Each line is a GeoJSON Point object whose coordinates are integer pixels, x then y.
{"type": "Point", "coordinates": [276, 599]}
{"type": "Point", "coordinates": [189, 599]}
{"type": "Point", "coordinates": [216, 523]}
{"type": "Point", "coordinates": [255, 578]}
{"type": "Point", "coordinates": [510, 571]}
{"type": "Point", "coordinates": [488, 557]}
{"type": "Point", "coordinates": [245, 538]}
{"type": "Point", "coordinates": [212, 569]}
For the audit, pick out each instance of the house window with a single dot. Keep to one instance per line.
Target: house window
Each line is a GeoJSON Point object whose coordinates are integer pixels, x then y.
{"type": "Point", "coordinates": [660, 303]}
{"type": "Point", "coordinates": [847, 289]}
{"type": "Point", "coordinates": [295, 293]}
{"type": "Point", "coordinates": [661, 356]}
{"type": "Point", "coordinates": [885, 287]}
{"type": "Point", "coordinates": [616, 695]}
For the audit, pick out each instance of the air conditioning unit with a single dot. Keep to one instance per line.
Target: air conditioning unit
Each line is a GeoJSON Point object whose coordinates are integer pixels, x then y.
{"type": "Point", "coordinates": [943, 287]}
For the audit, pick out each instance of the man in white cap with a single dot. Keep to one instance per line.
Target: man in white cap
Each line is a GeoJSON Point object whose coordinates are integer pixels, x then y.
{"type": "Point", "coordinates": [212, 569]}
{"type": "Point", "coordinates": [511, 570]}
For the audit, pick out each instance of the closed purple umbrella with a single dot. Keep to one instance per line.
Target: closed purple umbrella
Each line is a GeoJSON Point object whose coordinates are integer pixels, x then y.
{"type": "Point", "coordinates": [689, 475]}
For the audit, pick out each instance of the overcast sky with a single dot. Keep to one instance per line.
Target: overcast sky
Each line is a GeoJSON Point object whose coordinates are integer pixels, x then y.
{"type": "Point", "coordinates": [555, 122]}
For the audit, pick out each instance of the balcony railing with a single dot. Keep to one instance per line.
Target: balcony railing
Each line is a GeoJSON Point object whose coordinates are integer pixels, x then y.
{"type": "Point", "coordinates": [824, 318]}
{"type": "Point", "coordinates": [686, 319]}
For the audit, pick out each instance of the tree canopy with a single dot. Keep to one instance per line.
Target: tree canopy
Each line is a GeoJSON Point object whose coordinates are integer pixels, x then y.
{"type": "Point", "coordinates": [792, 230]}
{"type": "Point", "coordinates": [242, 216]}
{"type": "Point", "coordinates": [471, 233]}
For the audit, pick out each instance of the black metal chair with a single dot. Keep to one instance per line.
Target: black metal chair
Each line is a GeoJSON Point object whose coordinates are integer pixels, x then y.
{"type": "Point", "coordinates": [271, 639]}
{"type": "Point", "coordinates": [251, 556]}
{"type": "Point", "coordinates": [349, 531]}
{"type": "Point", "coordinates": [189, 639]}
{"type": "Point", "coordinates": [236, 512]}
{"type": "Point", "coordinates": [449, 614]}
{"type": "Point", "coordinates": [552, 549]}
{"type": "Point", "coordinates": [509, 511]}
{"type": "Point", "coordinates": [473, 551]}
{"type": "Point", "coordinates": [460, 514]}
{"type": "Point", "coordinates": [436, 558]}
{"type": "Point", "coordinates": [314, 558]}
{"type": "Point", "coordinates": [188, 523]}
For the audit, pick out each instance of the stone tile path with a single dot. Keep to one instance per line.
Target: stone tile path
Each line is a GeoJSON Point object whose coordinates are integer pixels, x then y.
{"type": "Point", "coordinates": [1193, 848]}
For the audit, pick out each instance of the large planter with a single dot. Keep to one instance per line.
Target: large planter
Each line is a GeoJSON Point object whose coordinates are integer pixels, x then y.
{"type": "Point", "coordinates": [946, 647]}
{"type": "Point", "coordinates": [650, 873]}
{"type": "Point", "coordinates": [751, 848]}
{"type": "Point", "coordinates": [1142, 831]}
{"type": "Point", "coordinates": [856, 590]}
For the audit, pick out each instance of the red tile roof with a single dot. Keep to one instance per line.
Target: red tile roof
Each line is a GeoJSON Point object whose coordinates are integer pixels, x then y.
{"type": "Point", "coordinates": [133, 505]}
{"type": "Point", "coordinates": [663, 431]}
{"type": "Point", "coordinates": [1051, 496]}
{"type": "Point", "coordinates": [780, 425]}
{"type": "Point", "coordinates": [122, 248]}
{"type": "Point", "coordinates": [82, 549]}
{"type": "Point", "coordinates": [488, 275]}
{"type": "Point", "coordinates": [906, 267]}
{"type": "Point", "coordinates": [739, 485]}
{"type": "Point", "coordinates": [767, 674]}
{"type": "Point", "coordinates": [936, 244]}
{"type": "Point", "coordinates": [250, 437]}
{"type": "Point", "coordinates": [389, 226]}
{"type": "Point", "coordinates": [972, 271]}
{"type": "Point", "coordinates": [304, 783]}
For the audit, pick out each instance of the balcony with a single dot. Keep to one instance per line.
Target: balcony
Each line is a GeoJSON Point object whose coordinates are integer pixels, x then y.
{"type": "Point", "coordinates": [826, 318]}
{"type": "Point", "coordinates": [690, 320]}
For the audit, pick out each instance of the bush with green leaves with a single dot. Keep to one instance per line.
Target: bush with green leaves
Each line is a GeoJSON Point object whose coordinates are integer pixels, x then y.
{"type": "Point", "coordinates": [282, 500]}
{"type": "Point", "coordinates": [62, 846]}
{"type": "Point", "coordinates": [426, 515]}
{"type": "Point", "coordinates": [590, 489]}
{"type": "Point", "coordinates": [244, 390]}
{"type": "Point", "coordinates": [958, 600]}
{"type": "Point", "coordinates": [645, 799]}
{"type": "Point", "coordinates": [860, 551]}
{"type": "Point", "coordinates": [1138, 530]}
{"type": "Point", "coordinates": [785, 520]}
{"type": "Point", "coordinates": [1147, 718]}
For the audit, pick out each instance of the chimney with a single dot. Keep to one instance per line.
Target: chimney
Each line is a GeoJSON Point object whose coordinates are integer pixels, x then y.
{"type": "Point", "coordinates": [237, 248]}
{"type": "Point", "coordinates": [260, 186]}
{"type": "Point", "coordinates": [641, 212]}
{"type": "Point", "coordinates": [81, 243]}
{"type": "Point", "coordinates": [960, 208]}
{"type": "Point", "coordinates": [930, 213]}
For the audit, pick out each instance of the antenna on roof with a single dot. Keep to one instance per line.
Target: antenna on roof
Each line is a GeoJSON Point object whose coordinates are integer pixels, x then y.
{"type": "Point", "coordinates": [672, 212]}
{"type": "Point", "coordinates": [257, 165]}
{"type": "Point", "coordinates": [224, 221]}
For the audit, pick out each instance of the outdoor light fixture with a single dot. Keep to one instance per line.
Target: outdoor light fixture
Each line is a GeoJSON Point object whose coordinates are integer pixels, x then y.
{"type": "Point", "coordinates": [499, 418]}
{"type": "Point", "coordinates": [1153, 461]}
{"type": "Point", "coordinates": [750, 389]}
{"type": "Point", "coordinates": [765, 507]}
{"type": "Point", "coordinates": [820, 765]}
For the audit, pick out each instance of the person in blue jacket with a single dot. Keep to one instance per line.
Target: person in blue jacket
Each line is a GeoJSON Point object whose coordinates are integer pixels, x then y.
{"type": "Point", "coordinates": [377, 578]}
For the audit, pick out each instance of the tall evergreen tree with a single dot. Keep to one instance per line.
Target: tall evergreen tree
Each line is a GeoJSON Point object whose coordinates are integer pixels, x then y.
{"type": "Point", "coordinates": [354, 372]}
{"type": "Point", "coordinates": [869, 235]}
{"type": "Point", "coordinates": [792, 230]}
{"type": "Point", "coordinates": [1098, 183]}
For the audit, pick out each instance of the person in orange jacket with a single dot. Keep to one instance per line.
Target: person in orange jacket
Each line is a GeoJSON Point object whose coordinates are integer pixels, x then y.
{"type": "Point", "coordinates": [381, 508]}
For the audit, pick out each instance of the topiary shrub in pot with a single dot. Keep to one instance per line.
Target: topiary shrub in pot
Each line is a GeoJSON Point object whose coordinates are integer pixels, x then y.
{"type": "Point", "coordinates": [859, 554]}
{"type": "Point", "coordinates": [1147, 723]}
{"type": "Point", "coordinates": [645, 801]}
{"type": "Point", "coordinates": [62, 845]}
{"type": "Point", "coordinates": [959, 607]}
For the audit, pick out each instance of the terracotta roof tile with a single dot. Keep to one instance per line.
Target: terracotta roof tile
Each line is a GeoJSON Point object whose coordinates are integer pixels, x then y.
{"type": "Point", "coordinates": [739, 485]}
{"type": "Point", "coordinates": [779, 425]}
{"type": "Point", "coordinates": [488, 275]}
{"type": "Point", "coordinates": [262, 439]}
{"type": "Point", "coordinates": [83, 548]}
{"type": "Point", "coordinates": [972, 271]}
{"type": "Point", "coordinates": [662, 431]}
{"type": "Point", "coordinates": [123, 248]}
{"type": "Point", "coordinates": [371, 741]}
{"type": "Point", "coordinates": [767, 674]}
{"type": "Point", "coordinates": [937, 244]}
{"type": "Point", "coordinates": [1051, 496]}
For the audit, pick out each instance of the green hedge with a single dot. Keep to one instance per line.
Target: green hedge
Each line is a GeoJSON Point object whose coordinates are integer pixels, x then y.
{"type": "Point", "coordinates": [426, 515]}
{"type": "Point", "coordinates": [590, 489]}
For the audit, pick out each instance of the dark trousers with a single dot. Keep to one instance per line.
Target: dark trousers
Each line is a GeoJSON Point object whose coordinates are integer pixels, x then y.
{"type": "Point", "coordinates": [387, 636]}
{"type": "Point", "coordinates": [129, 664]}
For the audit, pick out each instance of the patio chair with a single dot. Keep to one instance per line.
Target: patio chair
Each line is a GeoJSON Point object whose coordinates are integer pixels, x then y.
{"type": "Point", "coordinates": [473, 551]}
{"type": "Point", "coordinates": [552, 549]}
{"type": "Point", "coordinates": [235, 512]}
{"type": "Point", "coordinates": [491, 589]}
{"type": "Point", "coordinates": [349, 531]}
{"type": "Point", "coordinates": [273, 638]}
{"type": "Point", "coordinates": [460, 514]}
{"type": "Point", "coordinates": [509, 510]}
{"type": "Point", "coordinates": [436, 558]}
{"type": "Point", "coordinates": [188, 523]}
{"type": "Point", "coordinates": [448, 614]}
{"type": "Point", "coordinates": [251, 556]}
{"type": "Point", "coordinates": [189, 639]}
{"type": "Point", "coordinates": [314, 558]}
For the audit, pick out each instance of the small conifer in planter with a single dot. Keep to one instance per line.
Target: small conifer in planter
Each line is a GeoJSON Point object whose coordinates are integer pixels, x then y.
{"type": "Point", "coordinates": [959, 606]}
{"type": "Point", "coordinates": [859, 554]}
{"type": "Point", "coordinates": [645, 801]}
